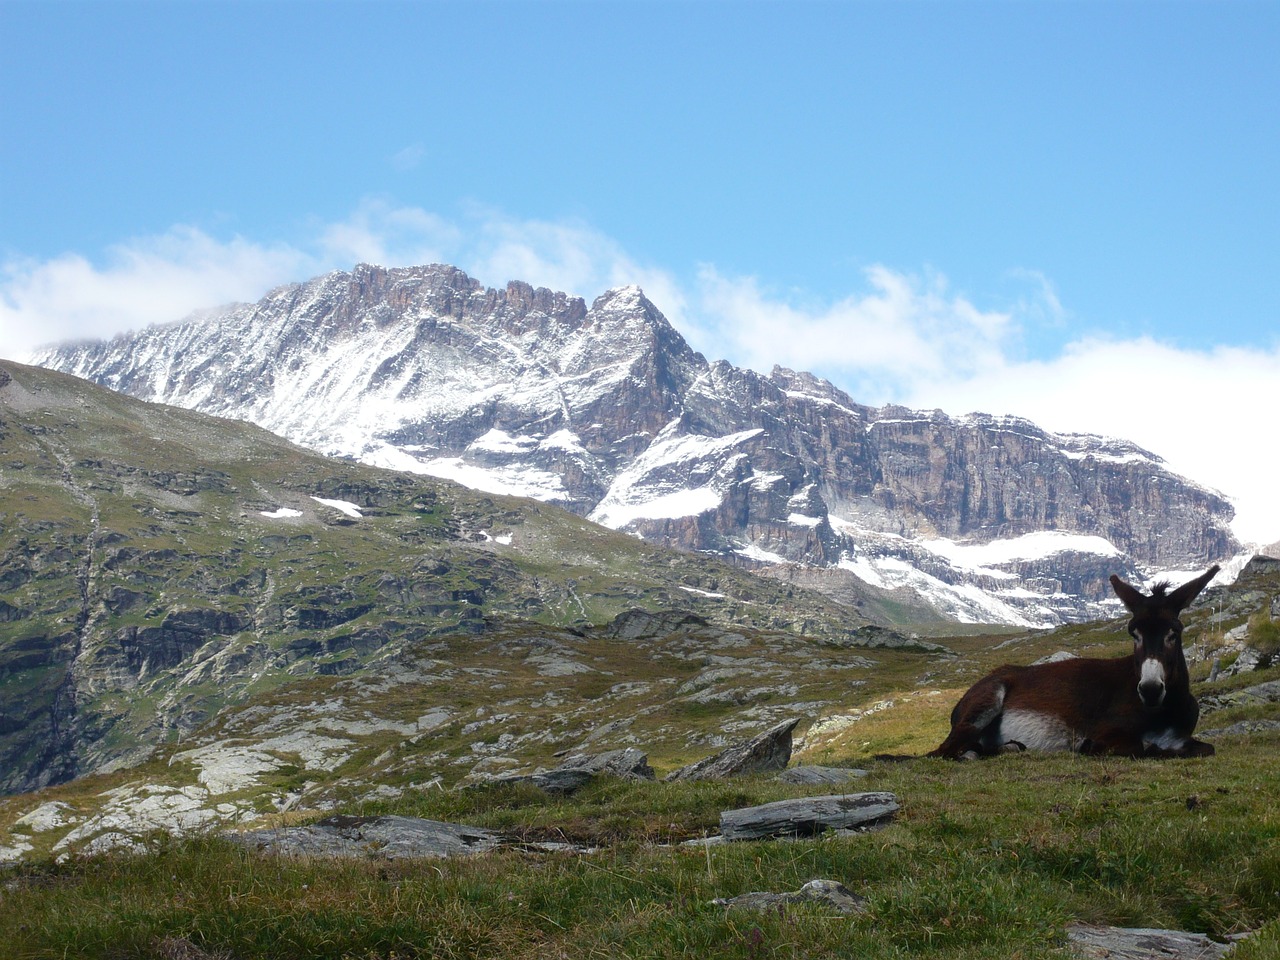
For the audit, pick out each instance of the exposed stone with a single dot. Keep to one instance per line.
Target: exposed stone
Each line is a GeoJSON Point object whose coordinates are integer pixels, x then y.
{"type": "Point", "coordinates": [628, 763]}
{"type": "Point", "coordinates": [816, 775]}
{"type": "Point", "coordinates": [559, 780]}
{"type": "Point", "coordinates": [1124, 943]}
{"type": "Point", "coordinates": [769, 751]}
{"type": "Point", "coordinates": [808, 816]}
{"type": "Point", "coordinates": [1057, 657]}
{"type": "Point", "coordinates": [1268, 692]}
{"type": "Point", "coordinates": [387, 838]}
{"type": "Point", "coordinates": [1243, 727]}
{"type": "Point", "coordinates": [828, 893]}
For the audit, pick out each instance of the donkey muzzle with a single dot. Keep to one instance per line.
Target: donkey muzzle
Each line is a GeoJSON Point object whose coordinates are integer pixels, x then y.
{"type": "Point", "coordinates": [1151, 684]}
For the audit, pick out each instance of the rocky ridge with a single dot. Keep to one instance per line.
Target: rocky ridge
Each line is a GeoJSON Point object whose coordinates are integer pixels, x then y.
{"type": "Point", "coordinates": [607, 411]}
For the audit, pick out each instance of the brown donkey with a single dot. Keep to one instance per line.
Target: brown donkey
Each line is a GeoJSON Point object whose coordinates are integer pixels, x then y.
{"type": "Point", "coordinates": [1134, 706]}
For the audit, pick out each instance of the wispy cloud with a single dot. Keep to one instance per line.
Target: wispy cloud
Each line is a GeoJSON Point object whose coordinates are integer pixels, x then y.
{"type": "Point", "coordinates": [160, 279]}
{"type": "Point", "coordinates": [875, 342]}
{"type": "Point", "coordinates": [383, 233]}
{"type": "Point", "coordinates": [137, 283]}
{"type": "Point", "coordinates": [408, 158]}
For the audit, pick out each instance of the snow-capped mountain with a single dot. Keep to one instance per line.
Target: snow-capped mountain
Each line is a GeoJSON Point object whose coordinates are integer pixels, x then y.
{"type": "Point", "coordinates": [608, 411]}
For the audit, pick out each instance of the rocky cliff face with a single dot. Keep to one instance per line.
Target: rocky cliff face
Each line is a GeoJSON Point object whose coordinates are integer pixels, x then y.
{"type": "Point", "coordinates": [607, 411]}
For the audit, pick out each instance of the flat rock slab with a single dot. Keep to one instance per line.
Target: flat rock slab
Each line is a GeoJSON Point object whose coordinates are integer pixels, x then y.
{"type": "Point", "coordinates": [827, 893]}
{"type": "Point", "coordinates": [387, 838]}
{"type": "Point", "coordinates": [1127, 943]}
{"type": "Point", "coordinates": [814, 775]}
{"type": "Point", "coordinates": [808, 816]}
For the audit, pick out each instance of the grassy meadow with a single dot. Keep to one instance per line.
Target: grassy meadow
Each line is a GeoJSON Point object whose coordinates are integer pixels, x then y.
{"type": "Point", "coordinates": [986, 859]}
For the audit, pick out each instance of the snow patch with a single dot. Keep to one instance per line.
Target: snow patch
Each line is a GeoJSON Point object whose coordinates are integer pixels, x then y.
{"type": "Point", "coordinates": [703, 593]}
{"type": "Point", "coordinates": [800, 520]}
{"type": "Point", "coordinates": [669, 506]}
{"type": "Point", "coordinates": [1030, 546]}
{"type": "Point", "coordinates": [760, 555]}
{"type": "Point", "coordinates": [652, 487]}
{"type": "Point", "coordinates": [964, 603]}
{"type": "Point", "coordinates": [512, 481]}
{"type": "Point", "coordinates": [342, 506]}
{"type": "Point", "coordinates": [282, 513]}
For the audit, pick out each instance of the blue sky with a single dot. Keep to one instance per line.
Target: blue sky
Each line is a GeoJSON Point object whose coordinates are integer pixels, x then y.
{"type": "Point", "coordinates": [996, 206]}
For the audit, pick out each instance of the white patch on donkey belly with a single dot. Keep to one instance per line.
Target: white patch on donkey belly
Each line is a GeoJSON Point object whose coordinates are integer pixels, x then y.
{"type": "Point", "coordinates": [1036, 731]}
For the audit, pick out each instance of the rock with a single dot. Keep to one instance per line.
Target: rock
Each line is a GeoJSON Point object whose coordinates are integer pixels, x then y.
{"type": "Point", "coordinates": [1121, 943]}
{"type": "Point", "coordinates": [769, 751]}
{"type": "Point", "coordinates": [628, 763]}
{"type": "Point", "coordinates": [560, 780]}
{"type": "Point", "coordinates": [579, 770]}
{"type": "Point", "coordinates": [808, 816]}
{"type": "Point", "coordinates": [1268, 692]}
{"type": "Point", "coordinates": [388, 838]}
{"type": "Point", "coordinates": [814, 775]}
{"type": "Point", "coordinates": [1243, 727]}
{"type": "Point", "coordinates": [1057, 657]}
{"type": "Point", "coordinates": [825, 892]}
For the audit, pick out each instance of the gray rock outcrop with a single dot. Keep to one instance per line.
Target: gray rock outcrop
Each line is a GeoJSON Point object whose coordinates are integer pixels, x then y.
{"type": "Point", "coordinates": [1125, 943]}
{"type": "Point", "coordinates": [817, 775]}
{"type": "Point", "coordinates": [827, 893]}
{"type": "Point", "coordinates": [388, 838]}
{"type": "Point", "coordinates": [808, 816]}
{"type": "Point", "coordinates": [771, 750]}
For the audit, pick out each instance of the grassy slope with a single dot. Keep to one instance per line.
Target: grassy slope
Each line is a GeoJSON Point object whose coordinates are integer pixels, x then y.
{"type": "Point", "coordinates": [986, 860]}
{"type": "Point", "coordinates": [118, 516]}
{"type": "Point", "coordinates": [989, 859]}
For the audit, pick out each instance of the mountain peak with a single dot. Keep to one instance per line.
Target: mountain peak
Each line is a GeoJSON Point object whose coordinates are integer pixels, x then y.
{"type": "Point", "coordinates": [523, 390]}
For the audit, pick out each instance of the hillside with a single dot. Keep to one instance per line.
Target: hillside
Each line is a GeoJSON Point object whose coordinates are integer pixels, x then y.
{"type": "Point", "coordinates": [158, 565]}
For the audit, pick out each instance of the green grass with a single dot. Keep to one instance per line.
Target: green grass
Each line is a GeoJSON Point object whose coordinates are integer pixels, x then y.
{"type": "Point", "coordinates": [989, 859]}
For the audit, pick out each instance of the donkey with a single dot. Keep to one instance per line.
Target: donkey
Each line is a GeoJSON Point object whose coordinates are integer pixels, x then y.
{"type": "Point", "coordinates": [1133, 706]}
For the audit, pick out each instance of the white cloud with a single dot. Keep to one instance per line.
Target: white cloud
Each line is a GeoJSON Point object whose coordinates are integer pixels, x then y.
{"type": "Point", "coordinates": [564, 255]}
{"type": "Point", "coordinates": [140, 282]}
{"type": "Point", "coordinates": [408, 158]}
{"type": "Point", "coordinates": [903, 329]}
{"type": "Point", "coordinates": [391, 236]}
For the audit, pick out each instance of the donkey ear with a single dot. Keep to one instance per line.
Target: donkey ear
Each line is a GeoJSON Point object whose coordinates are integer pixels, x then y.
{"type": "Point", "coordinates": [1181, 598]}
{"type": "Point", "coordinates": [1130, 596]}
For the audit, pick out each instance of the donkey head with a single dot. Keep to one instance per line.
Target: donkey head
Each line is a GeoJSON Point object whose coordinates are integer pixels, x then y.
{"type": "Point", "coordinates": [1157, 633]}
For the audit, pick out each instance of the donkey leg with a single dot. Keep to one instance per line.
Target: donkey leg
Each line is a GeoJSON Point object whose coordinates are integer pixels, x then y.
{"type": "Point", "coordinates": [977, 710]}
{"type": "Point", "coordinates": [1190, 747]}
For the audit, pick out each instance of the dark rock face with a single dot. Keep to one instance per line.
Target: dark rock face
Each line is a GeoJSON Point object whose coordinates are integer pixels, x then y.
{"type": "Point", "coordinates": [607, 410]}
{"type": "Point", "coordinates": [771, 750]}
